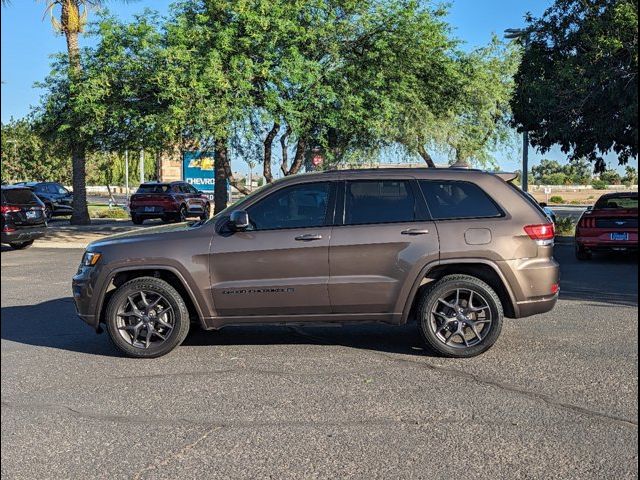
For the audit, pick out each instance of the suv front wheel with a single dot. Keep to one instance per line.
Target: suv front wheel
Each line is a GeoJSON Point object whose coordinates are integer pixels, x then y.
{"type": "Point", "coordinates": [460, 316]}
{"type": "Point", "coordinates": [147, 318]}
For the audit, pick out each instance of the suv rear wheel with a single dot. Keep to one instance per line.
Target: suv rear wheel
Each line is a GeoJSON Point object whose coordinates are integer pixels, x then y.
{"type": "Point", "coordinates": [147, 318]}
{"type": "Point", "coordinates": [460, 316]}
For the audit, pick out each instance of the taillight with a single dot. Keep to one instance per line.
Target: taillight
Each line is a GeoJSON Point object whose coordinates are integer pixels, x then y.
{"type": "Point", "coordinates": [544, 231]}
{"type": "Point", "coordinates": [587, 222]}
{"type": "Point", "coordinates": [9, 209]}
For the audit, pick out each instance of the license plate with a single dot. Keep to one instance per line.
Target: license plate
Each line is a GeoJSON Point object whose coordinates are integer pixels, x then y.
{"type": "Point", "coordinates": [149, 209]}
{"type": "Point", "coordinates": [32, 214]}
{"type": "Point", "coordinates": [620, 237]}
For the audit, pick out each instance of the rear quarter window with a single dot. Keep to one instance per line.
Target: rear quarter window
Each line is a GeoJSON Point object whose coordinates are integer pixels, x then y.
{"type": "Point", "coordinates": [450, 200]}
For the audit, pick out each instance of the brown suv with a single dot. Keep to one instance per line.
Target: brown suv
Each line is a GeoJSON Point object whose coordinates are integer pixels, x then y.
{"type": "Point", "coordinates": [456, 250]}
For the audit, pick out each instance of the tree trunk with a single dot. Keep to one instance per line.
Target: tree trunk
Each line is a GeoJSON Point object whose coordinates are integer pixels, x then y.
{"type": "Point", "coordinates": [298, 160]}
{"type": "Point", "coordinates": [80, 215]}
{"type": "Point", "coordinates": [70, 16]}
{"type": "Point", "coordinates": [426, 157]}
{"type": "Point", "coordinates": [268, 142]}
{"type": "Point", "coordinates": [221, 193]}
{"type": "Point", "coordinates": [284, 144]}
{"type": "Point", "coordinates": [224, 177]}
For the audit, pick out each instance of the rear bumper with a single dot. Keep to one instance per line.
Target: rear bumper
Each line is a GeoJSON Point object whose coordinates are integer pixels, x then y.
{"type": "Point", "coordinates": [600, 244]}
{"type": "Point", "coordinates": [23, 234]}
{"type": "Point", "coordinates": [536, 307]}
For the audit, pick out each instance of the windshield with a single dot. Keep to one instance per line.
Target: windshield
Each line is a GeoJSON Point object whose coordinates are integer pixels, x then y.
{"type": "Point", "coordinates": [61, 190]}
{"type": "Point", "coordinates": [621, 201]}
{"type": "Point", "coordinates": [239, 204]}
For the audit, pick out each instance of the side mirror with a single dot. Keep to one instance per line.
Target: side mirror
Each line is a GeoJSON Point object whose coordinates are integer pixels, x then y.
{"type": "Point", "coordinates": [543, 204]}
{"type": "Point", "coordinates": [589, 208]}
{"type": "Point", "coordinates": [239, 220]}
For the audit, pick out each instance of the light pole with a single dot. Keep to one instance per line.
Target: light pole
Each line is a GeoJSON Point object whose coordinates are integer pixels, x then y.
{"type": "Point", "coordinates": [522, 34]}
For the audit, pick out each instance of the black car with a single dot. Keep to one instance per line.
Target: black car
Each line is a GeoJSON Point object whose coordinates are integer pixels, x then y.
{"type": "Point", "coordinates": [23, 216]}
{"type": "Point", "coordinates": [56, 198]}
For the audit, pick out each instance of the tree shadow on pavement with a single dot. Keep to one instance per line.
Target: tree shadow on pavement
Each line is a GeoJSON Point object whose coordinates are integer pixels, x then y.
{"type": "Point", "coordinates": [54, 324]}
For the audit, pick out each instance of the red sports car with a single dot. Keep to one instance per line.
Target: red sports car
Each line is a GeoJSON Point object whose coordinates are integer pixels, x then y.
{"type": "Point", "coordinates": [611, 225]}
{"type": "Point", "coordinates": [169, 201]}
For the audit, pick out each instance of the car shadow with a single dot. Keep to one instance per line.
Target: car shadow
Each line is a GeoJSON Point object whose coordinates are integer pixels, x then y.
{"type": "Point", "coordinates": [54, 324]}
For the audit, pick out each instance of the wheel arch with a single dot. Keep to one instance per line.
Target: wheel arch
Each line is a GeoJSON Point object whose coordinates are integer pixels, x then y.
{"type": "Point", "coordinates": [169, 274]}
{"type": "Point", "coordinates": [485, 270]}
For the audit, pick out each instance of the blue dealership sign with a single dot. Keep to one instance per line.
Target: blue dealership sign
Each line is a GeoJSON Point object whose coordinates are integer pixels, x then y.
{"type": "Point", "coordinates": [197, 169]}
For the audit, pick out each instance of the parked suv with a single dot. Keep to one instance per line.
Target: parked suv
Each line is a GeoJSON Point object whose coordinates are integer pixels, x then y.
{"type": "Point", "coordinates": [22, 219]}
{"type": "Point", "coordinates": [169, 201]}
{"type": "Point", "coordinates": [455, 250]}
{"type": "Point", "coordinates": [56, 198]}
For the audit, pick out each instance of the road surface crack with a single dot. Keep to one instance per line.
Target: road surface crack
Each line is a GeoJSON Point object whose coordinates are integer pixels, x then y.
{"type": "Point", "coordinates": [547, 399]}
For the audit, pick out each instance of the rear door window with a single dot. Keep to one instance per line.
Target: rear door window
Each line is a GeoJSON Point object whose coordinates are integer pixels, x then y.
{"type": "Point", "coordinates": [450, 200]}
{"type": "Point", "coordinates": [19, 196]}
{"type": "Point", "coordinates": [379, 201]}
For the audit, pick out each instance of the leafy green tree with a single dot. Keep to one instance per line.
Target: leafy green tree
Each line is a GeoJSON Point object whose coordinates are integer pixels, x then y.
{"type": "Point", "coordinates": [577, 84]}
{"type": "Point", "coordinates": [631, 176]}
{"type": "Point", "coordinates": [479, 123]}
{"type": "Point", "coordinates": [545, 169]}
{"type": "Point", "coordinates": [26, 156]}
{"type": "Point", "coordinates": [611, 177]}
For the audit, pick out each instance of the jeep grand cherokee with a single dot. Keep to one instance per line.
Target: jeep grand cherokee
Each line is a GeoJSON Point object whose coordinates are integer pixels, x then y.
{"type": "Point", "coordinates": [456, 250]}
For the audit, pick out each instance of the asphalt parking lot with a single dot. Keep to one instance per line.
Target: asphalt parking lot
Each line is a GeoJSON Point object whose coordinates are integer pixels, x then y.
{"type": "Point", "coordinates": [555, 398]}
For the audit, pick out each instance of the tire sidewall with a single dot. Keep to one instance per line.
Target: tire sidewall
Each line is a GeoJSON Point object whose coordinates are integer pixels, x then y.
{"type": "Point", "coordinates": [430, 298]}
{"type": "Point", "coordinates": [151, 284]}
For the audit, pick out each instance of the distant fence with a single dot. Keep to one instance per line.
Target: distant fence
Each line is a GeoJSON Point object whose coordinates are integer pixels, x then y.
{"type": "Point", "coordinates": [576, 188]}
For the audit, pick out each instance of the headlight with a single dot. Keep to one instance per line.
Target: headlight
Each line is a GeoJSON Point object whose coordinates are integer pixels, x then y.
{"type": "Point", "coordinates": [89, 259]}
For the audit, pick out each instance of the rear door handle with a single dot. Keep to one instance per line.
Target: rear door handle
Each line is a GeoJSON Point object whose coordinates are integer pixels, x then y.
{"type": "Point", "coordinates": [415, 231]}
{"type": "Point", "coordinates": [309, 237]}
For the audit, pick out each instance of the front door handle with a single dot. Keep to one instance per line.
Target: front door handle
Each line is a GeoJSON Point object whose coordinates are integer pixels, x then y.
{"type": "Point", "coordinates": [309, 237]}
{"type": "Point", "coordinates": [415, 231]}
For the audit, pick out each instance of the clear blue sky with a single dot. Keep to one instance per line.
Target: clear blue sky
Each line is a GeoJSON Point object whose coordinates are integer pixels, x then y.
{"type": "Point", "coordinates": [28, 41]}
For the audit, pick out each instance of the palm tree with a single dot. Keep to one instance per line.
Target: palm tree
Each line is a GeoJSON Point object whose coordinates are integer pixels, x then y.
{"type": "Point", "coordinates": [70, 23]}
{"type": "Point", "coordinates": [73, 17]}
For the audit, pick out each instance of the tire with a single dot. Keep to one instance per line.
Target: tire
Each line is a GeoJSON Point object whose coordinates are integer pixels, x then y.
{"type": "Point", "coordinates": [144, 345]}
{"type": "Point", "coordinates": [182, 214]}
{"type": "Point", "coordinates": [443, 332]}
{"type": "Point", "coordinates": [137, 220]}
{"type": "Point", "coordinates": [21, 245]}
{"type": "Point", "coordinates": [582, 254]}
{"type": "Point", "coordinates": [166, 219]}
{"type": "Point", "coordinates": [48, 212]}
{"type": "Point", "coordinates": [207, 213]}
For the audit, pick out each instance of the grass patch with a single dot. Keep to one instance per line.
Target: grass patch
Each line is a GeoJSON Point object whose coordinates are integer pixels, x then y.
{"type": "Point", "coordinates": [106, 212]}
{"type": "Point", "coordinates": [556, 199]}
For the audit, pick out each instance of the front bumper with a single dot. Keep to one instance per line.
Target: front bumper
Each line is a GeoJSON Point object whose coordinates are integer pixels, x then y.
{"type": "Point", "coordinates": [23, 234]}
{"type": "Point", "coordinates": [85, 293]}
{"type": "Point", "coordinates": [62, 209]}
